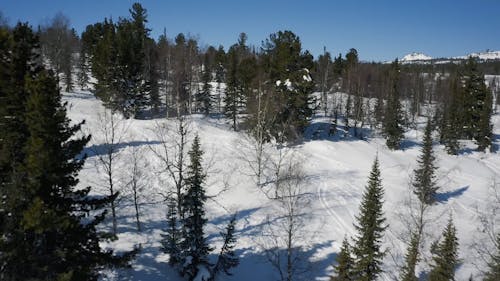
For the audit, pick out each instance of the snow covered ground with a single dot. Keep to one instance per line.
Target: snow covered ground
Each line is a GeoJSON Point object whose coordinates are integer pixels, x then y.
{"type": "Point", "coordinates": [337, 171]}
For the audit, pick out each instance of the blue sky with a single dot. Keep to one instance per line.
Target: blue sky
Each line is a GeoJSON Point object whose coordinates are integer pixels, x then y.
{"type": "Point", "coordinates": [378, 29]}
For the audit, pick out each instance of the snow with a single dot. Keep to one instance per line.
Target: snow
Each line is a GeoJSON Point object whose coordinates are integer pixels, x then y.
{"type": "Point", "coordinates": [337, 170]}
{"type": "Point", "coordinates": [487, 55]}
{"type": "Point", "coordinates": [203, 274]}
{"type": "Point", "coordinates": [416, 57]}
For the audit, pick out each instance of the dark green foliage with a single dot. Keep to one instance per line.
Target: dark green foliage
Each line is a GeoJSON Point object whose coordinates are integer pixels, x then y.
{"type": "Point", "coordinates": [493, 273]}
{"type": "Point", "coordinates": [240, 71]}
{"type": "Point", "coordinates": [445, 256]}
{"type": "Point", "coordinates": [123, 62]}
{"type": "Point", "coordinates": [393, 119]}
{"type": "Point", "coordinates": [195, 248]}
{"type": "Point", "coordinates": [370, 227]}
{"type": "Point", "coordinates": [453, 117]}
{"type": "Point", "coordinates": [203, 98]}
{"type": "Point", "coordinates": [287, 68]}
{"type": "Point", "coordinates": [171, 241]}
{"type": "Point", "coordinates": [468, 114]}
{"type": "Point", "coordinates": [424, 182]}
{"type": "Point", "coordinates": [227, 258]}
{"type": "Point", "coordinates": [411, 259]}
{"type": "Point", "coordinates": [344, 267]}
{"type": "Point", "coordinates": [19, 61]}
{"type": "Point", "coordinates": [50, 233]}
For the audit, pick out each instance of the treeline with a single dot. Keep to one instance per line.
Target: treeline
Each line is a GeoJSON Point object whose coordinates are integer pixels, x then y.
{"type": "Point", "coordinates": [269, 88]}
{"type": "Point", "coordinates": [137, 75]}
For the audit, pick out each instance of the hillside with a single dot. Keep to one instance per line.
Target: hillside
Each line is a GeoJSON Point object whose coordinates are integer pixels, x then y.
{"type": "Point", "coordinates": [336, 172]}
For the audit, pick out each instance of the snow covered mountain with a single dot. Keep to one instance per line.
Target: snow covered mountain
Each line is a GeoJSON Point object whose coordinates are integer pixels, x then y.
{"type": "Point", "coordinates": [487, 55]}
{"type": "Point", "coordinates": [425, 59]}
{"type": "Point", "coordinates": [416, 57]}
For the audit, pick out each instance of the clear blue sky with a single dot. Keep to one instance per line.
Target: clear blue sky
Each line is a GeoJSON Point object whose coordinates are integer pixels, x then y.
{"type": "Point", "coordinates": [378, 29]}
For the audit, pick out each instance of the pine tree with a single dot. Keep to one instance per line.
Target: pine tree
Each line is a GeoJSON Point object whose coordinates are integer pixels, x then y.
{"type": "Point", "coordinates": [493, 273]}
{"type": "Point", "coordinates": [344, 267]}
{"type": "Point", "coordinates": [411, 259]}
{"type": "Point", "coordinates": [424, 182]}
{"type": "Point", "coordinates": [445, 258]}
{"type": "Point", "coordinates": [227, 258]}
{"type": "Point", "coordinates": [195, 248]}
{"type": "Point", "coordinates": [370, 227]}
{"type": "Point", "coordinates": [393, 119]}
{"type": "Point", "coordinates": [171, 240]}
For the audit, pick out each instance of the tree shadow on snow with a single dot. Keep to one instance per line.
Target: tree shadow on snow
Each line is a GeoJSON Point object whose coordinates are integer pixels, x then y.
{"type": "Point", "coordinates": [102, 149]}
{"type": "Point", "coordinates": [323, 131]}
{"type": "Point", "coordinates": [152, 264]}
{"type": "Point", "coordinates": [443, 197]}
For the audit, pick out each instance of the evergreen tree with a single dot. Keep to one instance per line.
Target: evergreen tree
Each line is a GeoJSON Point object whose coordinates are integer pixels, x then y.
{"type": "Point", "coordinates": [411, 259]}
{"type": "Point", "coordinates": [227, 258]}
{"type": "Point", "coordinates": [49, 234]}
{"type": "Point", "coordinates": [204, 97]}
{"type": "Point", "coordinates": [370, 227]}
{"type": "Point", "coordinates": [20, 60]}
{"type": "Point", "coordinates": [453, 118]}
{"type": "Point", "coordinates": [240, 67]}
{"type": "Point", "coordinates": [493, 273]}
{"type": "Point", "coordinates": [171, 240]}
{"type": "Point", "coordinates": [393, 119]}
{"type": "Point", "coordinates": [445, 257]}
{"type": "Point", "coordinates": [220, 75]}
{"type": "Point", "coordinates": [195, 249]}
{"type": "Point", "coordinates": [287, 68]}
{"type": "Point", "coordinates": [344, 267]}
{"type": "Point", "coordinates": [424, 183]}
{"type": "Point", "coordinates": [478, 105]}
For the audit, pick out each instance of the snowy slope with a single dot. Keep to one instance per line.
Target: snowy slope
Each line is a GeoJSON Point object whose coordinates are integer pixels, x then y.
{"type": "Point", "coordinates": [337, 171]}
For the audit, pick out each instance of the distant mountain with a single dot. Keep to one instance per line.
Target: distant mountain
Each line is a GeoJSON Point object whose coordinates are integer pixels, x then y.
{"type": "Point", "coordinates": [488, 55]}
{"type": "Point", "coordinates": [416, 57]}
{"type": "Point", "coordinates": [420, 58]}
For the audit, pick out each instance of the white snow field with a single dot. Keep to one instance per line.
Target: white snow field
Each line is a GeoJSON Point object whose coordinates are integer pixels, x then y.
{"type": "Point", "coordinates": [337, 170]}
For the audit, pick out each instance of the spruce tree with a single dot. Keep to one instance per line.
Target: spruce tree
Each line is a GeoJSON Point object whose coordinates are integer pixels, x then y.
{"type": "Point", "coordinates": [171, 240]}
{"type": "Point", "coordinates": [411, 259]}
{"type": "Point", "coordinates": [370, 227]}
{"type": "Point", "coordinates": [424, 183]}
{"type": "Point", "coordinates": [195, 248]}
{"type": "Point", "coordinates": [49, 233]}
{"type": "Point", "coordinates": [203, 98]}
{"type": "Point", "coordinates": [493, 273]}
{"type": "Point", "coordinates": [393, 119]}
{"type": "Point", "coordinates": [227, 258]}
{"type": "Point", "coordinates": [452, 120]}
{"type": "Point", "coordinates": [20, 60]}
{"type": "Point", "coordinates": [344, 267]}
{"type": "Point", "coordinates": [445, 257]}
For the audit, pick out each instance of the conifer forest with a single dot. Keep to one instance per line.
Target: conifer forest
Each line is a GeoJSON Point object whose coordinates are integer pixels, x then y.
{"type": "Point", "coordinates": [126, 156]}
